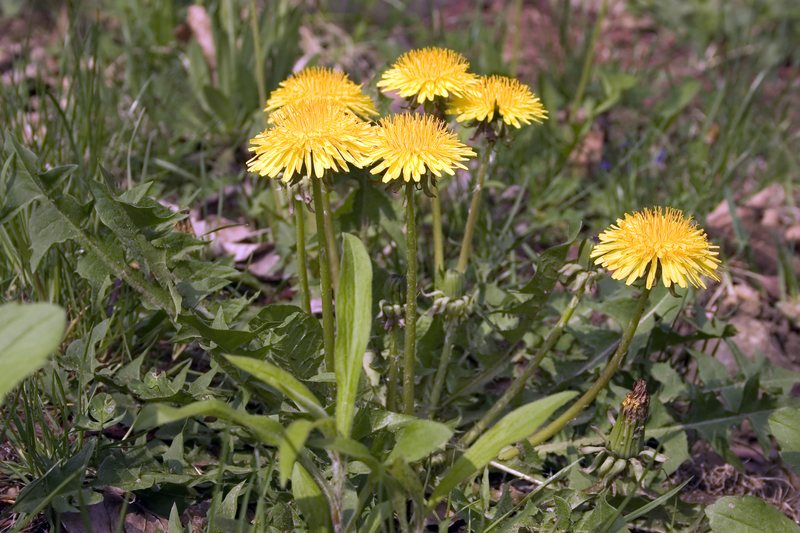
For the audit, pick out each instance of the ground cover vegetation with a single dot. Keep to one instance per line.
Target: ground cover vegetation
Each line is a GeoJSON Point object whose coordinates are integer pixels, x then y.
{"type": "Point", "coordinates": [496, 266]}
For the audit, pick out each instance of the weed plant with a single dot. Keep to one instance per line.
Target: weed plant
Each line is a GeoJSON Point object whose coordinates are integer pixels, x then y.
{"type": "Point", "coordinates": [474, 368]}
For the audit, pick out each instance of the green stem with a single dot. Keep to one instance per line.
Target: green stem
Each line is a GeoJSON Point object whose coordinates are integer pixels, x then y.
{"type": "Point", "coordinates": [438, 241]}
{"type": "Point", "coordinates": [517, 35]}
{"type": "Point", "coordinates": [324, 276]}
{"type": "Point", "coordinates": [391, 385]}
{"type": "Point", "coordinates": [589, 60]}
{"type": "Point", "coordinates": [441, 373]}
{"type": "Point", "coordinates": [474, 207]}
{"type": "Point", "coordinates": [589, 396]}
{"type": "Point", "coordinates": [302, 273]}
{"type": "Point", "coordinates": [519, 383]}
{"type": "Point", "coordinates": [333, 247]}
{"type": "Point", "coordinates": [262, 93]}
{"type": "Point", "coordinates": [409, 357]}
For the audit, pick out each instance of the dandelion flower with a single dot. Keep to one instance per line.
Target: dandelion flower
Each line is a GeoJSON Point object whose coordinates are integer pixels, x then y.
{"type": "Point", "coordinates": [318, 82]}
{"type": "Point", "coordinates": [513, 100]}
{"type": "Point", "coordinates": [411, 143]}
{"type": "Point", "coordinates": [319, 134]}
{"type": "Point", "coordinates": [657, 238]}
{"type": "Point", "coordinates": [427, 73]}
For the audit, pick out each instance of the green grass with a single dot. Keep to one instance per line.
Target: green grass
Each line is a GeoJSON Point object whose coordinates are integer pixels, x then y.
{"type": "Point", "coordinates": [131, 99]}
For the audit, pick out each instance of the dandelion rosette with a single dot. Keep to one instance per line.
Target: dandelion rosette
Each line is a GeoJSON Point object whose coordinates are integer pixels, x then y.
{"type": "Point", "coordinates": [513, 100]}
{"type": "Point", "coordinates": [319, 82]}
{"type": "Point", "coordinates": [428, 73]}
{"type": "Point", "coordinates": [661, 239]}
{"type": "Point", "coordinates": [316, 134]}
{"type": "Point", "coordinates": [411, 144]}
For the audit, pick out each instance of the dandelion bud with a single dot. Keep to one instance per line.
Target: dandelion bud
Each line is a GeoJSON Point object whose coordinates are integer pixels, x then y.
{"type": "Point", "coordinates": [454, 284]}
{"type": "Point", "coordinates": [626, 439]}
{"type": "Point", "coordinates": [395, 288]}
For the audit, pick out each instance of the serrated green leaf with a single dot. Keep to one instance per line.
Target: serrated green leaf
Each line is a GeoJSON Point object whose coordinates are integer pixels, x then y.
{"type": "Point", "coordinates": [747, 514]}
{"type": "Point", "coordinates": [353, 325]}
{"type": "Point", "coordinates": [540, 287]}
{"type": "Point", "coordinates": [513, 427]}
{"type": "Point", "coordinates": [281, 381]}
{"type": "Point", "coordinates": [47, 228]}
{"type": "Point", "coordinates": [198, 279]}
{"type": "Point", "coordinates": [597, 519]}
{"type": "Point", "coordinates": [265, 429]}
{"type": "Point", "coordinates": [418, 439]}
{"type": "Point", "coordinates": [294, 338]}
{"type": "Point", "coordinates": [28, 335]}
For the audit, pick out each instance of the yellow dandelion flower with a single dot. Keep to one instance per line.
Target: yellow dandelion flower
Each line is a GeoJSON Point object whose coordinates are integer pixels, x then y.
{"type": "Point", "coordinates": [319, 134]}
{"type": "Point", "coordinates": [513, 100]}
{"type": "Point", "coordinates": [318, 82]}
{"type": "Point", "coordinates": [411, 143]}
{"type": "Point", "coordinates": [427, 73]}
{"type": "Point", "coordinates": [657, 238]}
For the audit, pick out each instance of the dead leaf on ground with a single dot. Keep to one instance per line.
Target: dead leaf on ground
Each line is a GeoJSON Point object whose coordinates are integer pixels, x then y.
{"type": "Point", "coordinates": [200, 23]}
{"type": "Point", "coordinates": [104, 516]}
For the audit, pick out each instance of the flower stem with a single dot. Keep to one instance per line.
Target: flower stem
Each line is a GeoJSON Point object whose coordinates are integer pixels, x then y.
{"type": "Point", "coordinates": [588, 62]}
{"type": "Point", "coordinates": [438, 241]}
{"type": "Point", "coordinates": [474, 207]}
{"type": "Point", "coordinates": [589, 396]}
{"type": "Point", "coordinates": [330, 235]}
{"type": "Point", "coordinates": [262, 94]}
{"type": "Point", "coordinates": [391, 385]}
{"type": "Point", "coordinates": [409, 356]}
{"type": "Point", "coordinates": [519, 383]}
{"type": "Point", "coordinates": [441, 373]}
{"type": "Point", "coordinates": [324, 276]}
{"type": "Point", "coordinates": [302, 274]}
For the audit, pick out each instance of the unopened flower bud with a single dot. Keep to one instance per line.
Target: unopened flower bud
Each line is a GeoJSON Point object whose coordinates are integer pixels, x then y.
{"type": "Point", "coordinates": [627, 436]}
{"type": "Point", "coordinates": [395, 288]}
{"type": "Point", "coordinates": [454, 284]}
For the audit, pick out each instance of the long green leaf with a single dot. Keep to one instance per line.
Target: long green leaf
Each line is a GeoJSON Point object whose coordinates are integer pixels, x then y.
{"type": "Point", "coordinates": [310, 501]}
{"type": "Point", "coordinates": [353, 324]}
{"type": "Point", "coordinates": [282, 381]}
{"type": "Point", "coordinates": [28, 335]}
{"type": "Point", "coordinates": [265, 429]}
{"type": "Point", "coordinates": [513, 427]}
{"type": "Point", "coordinates": [292, 443]}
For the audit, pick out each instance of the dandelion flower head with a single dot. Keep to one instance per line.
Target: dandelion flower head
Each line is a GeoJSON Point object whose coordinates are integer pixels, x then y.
{"type": "Point", "coordinates": [513, 100]}
{"type": "Point", "coordinates": [428, 73]}
{"type": "Point", "coordinates": [657, 238]}
{"type": "Point", "coordinates": [314, 134]}
{"type": "Point", "coordinates": [411, 144]}
{"type": "Point", "coordinates": [319, 82]}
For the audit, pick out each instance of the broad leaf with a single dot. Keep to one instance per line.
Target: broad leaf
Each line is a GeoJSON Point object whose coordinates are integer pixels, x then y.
{"type": "Point", "coordinates": [513, 427]}
{"type": "Point", "coordinates": [28, 335]}
{"type": "Point", "coordinates": [785, 426]}
{"type": "Point", "coordinates": [265, 429]}
{"type": "Point", "coordinates": [312, 504]}
{"type": "Point", "coordinates": [418, 439]}
{"type": "Point", "coordinates": [282, 381]}
{"type": "Point", "coordinates": [747, 514]}
{"type": "Point", "coordinates": [353, 324]}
